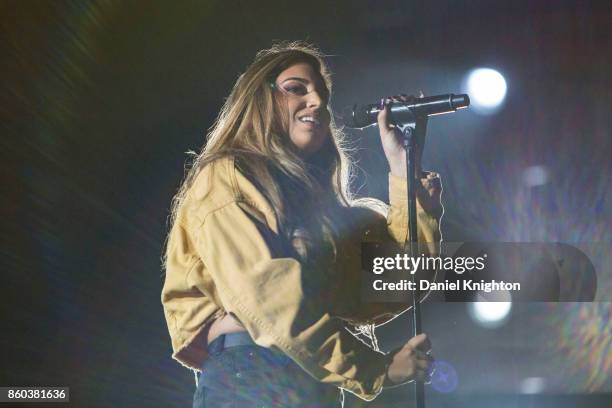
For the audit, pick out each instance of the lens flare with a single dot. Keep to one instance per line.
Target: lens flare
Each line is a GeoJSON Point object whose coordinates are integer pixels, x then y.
{"type": "Point", "coordinates": [580, 337]}
{"type": "Point", "coordinates": [444, 377]}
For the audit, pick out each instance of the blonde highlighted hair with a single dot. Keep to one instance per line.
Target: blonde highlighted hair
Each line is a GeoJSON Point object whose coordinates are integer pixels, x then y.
{"type": "Point", "coordinates": [251, 128]}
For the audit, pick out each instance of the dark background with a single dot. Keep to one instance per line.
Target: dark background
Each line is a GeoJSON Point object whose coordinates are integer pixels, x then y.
{"type": "Point", "coordinates": [101, 100]}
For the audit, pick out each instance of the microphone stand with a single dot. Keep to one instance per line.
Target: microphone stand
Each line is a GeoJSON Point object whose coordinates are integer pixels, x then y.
{"type": "Point", "coordinates": [413, 136]}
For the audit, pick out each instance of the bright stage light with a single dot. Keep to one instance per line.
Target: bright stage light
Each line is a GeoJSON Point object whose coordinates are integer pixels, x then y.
{"type": "Point", "coordinates": [490, 314]}
{"type": "Point", "coordinates": [534, 176]}
{"type": "Point", "coordinates": [532, 385]}
{"type": "Point", "coordinates": [487, 89]}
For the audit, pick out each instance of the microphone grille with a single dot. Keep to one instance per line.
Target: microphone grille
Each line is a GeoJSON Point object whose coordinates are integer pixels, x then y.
{"type": "Point", "coordinates": [345, 117]}
{"type": "Point", "coordinates": [355, 117]}
{"type": "Point", "coordinates": [361, 116]}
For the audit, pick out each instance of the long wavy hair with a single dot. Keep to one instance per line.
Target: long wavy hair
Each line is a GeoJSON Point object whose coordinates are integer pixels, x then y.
{"type": "Point", "coordinates": [307, 194]}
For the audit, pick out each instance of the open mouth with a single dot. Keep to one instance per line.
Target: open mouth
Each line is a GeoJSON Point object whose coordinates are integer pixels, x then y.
{"type": "Point", "coordinates": [309, 120]}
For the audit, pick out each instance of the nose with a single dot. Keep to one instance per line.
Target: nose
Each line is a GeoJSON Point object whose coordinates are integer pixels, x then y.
{"type": "Point", "coordinates": [314, 99]}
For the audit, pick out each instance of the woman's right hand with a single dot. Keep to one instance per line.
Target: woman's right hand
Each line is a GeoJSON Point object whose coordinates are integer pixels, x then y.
{"type": "Point", "coordinates": [413, 361]}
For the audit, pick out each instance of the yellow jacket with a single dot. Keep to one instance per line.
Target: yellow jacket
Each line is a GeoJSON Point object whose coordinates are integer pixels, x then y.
{"type": "Point", "coordinates": [224, 256]}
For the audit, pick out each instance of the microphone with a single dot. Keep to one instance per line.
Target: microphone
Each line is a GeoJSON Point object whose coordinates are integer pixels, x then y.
{"type": "Point", "coordinates": [360, 116]}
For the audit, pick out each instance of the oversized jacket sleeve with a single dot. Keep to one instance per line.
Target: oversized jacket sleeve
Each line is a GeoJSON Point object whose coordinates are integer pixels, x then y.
{"type": "Point", "coordinates": [390, 224]}
{"type": "Point", "coordinates": [429, 210]}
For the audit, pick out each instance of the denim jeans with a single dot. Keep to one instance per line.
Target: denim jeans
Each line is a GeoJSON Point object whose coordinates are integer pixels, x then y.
{"type": "Point", "coordinates": [251, 376]}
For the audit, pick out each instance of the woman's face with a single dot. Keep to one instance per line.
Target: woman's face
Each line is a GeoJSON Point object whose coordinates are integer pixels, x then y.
{"type": "Point", "coordinates": [306, 97]}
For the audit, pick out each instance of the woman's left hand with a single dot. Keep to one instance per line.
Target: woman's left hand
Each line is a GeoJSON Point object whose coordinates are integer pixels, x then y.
{"type": "Point", "coordinates": [391, 138]}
